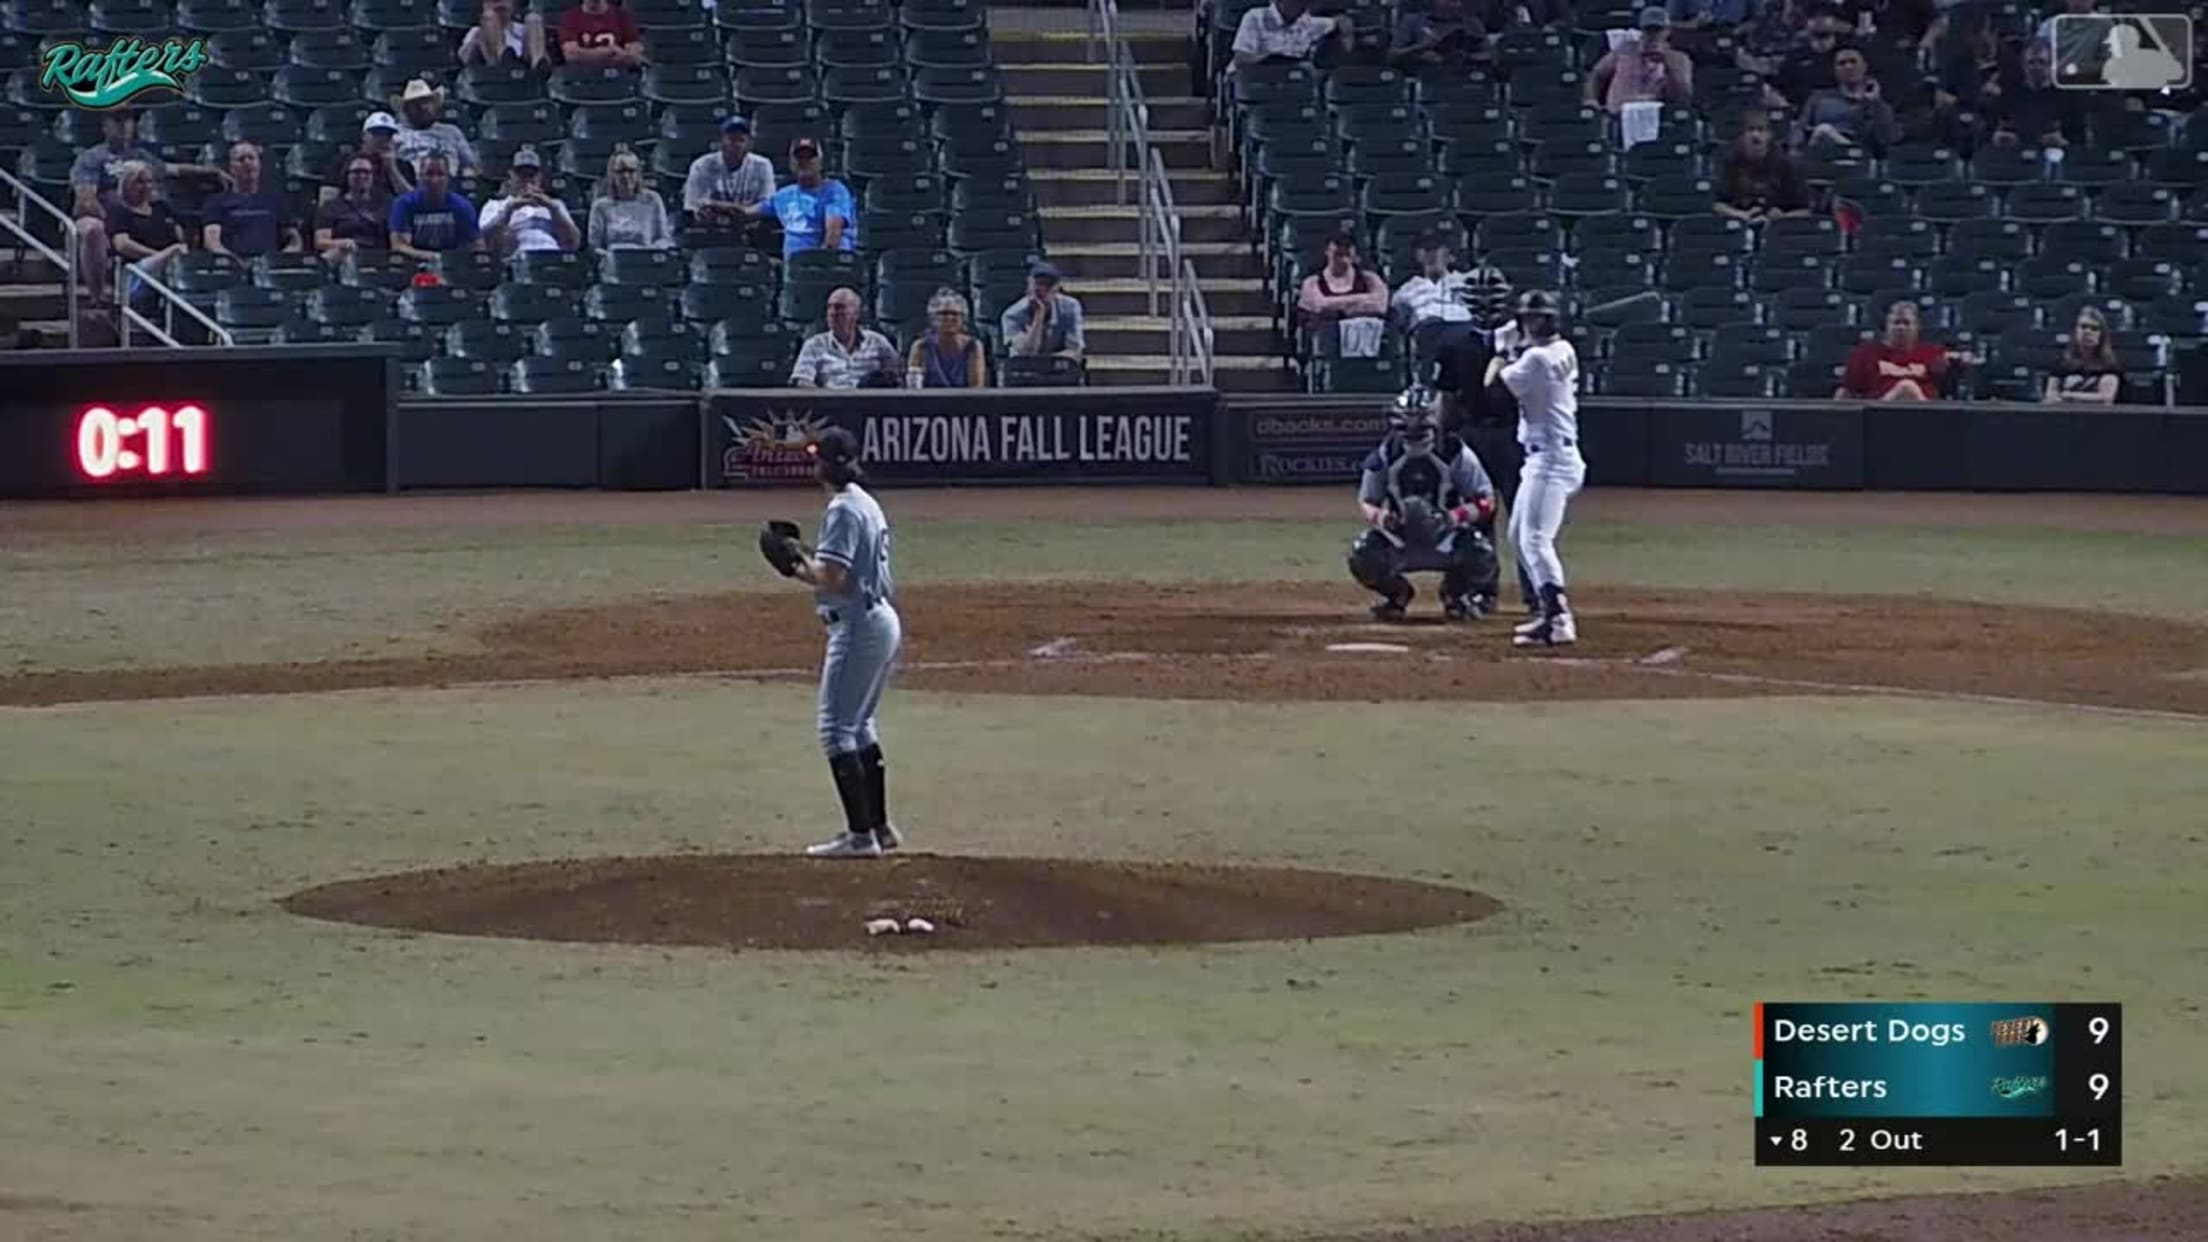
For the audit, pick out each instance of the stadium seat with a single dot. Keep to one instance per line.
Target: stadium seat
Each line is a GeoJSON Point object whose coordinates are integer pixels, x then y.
{"type": "Point", "coordinates": [1947, 202]}
{"type": "Point", "coordinates": [653, 369]}
{"type": "Point", "coordinates": [438, 306]}
{"type": "Point", "coordinates": [206, 17]}
{"type": "Point", "coordinates": [2135, 204]}
{"type": "Point", "coordinates": [556, 375]}
{"type": "Point", "coordinates": [458, 377]}
{"type": "Point", "coordinates": [494, 341]}
{"type": "Point", "coordinates": [2004, 240]}
{"type": "Point", "coordinates": [571, 336]}
{"type": "Point", "coordinates": [622, 303]}
{"type": "Point", "coordinates": [2044, 203]}
{"type": "Point", "coordinates": [249, 50]}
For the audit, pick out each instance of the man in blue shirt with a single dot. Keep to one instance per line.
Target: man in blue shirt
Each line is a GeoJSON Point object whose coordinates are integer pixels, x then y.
{"type": "Point", "coordinates": [430, 219]}
{"type": "Point", "coordinates": [247, 220]}
{"type": "Point", "coordinates": [817, 212]}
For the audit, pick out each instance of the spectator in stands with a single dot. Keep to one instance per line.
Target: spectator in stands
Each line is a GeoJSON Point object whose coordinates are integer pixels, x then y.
{"type": "Point", "coordinates": [2089, 372]}
{"type": "Point", "coordinates": [1760, 181]}
{"type": "Point", "coordinates": [846, 355]}
{"type": "Point", "coordinates": [378, 142]}
{"type": "Point", "coordinates": [817, 212]}
{"type": "Point", "coordinates": [431, 219]}
{"type": "Point", "coordinates": [2038, 111]}
{"type": "Point", "coordinates": [1045, 323]}
{"type": "Point", "coordinates": [423, 106]}
{"type": "Point", "coordinates": [1647, 70]}
{"type": "Point", "coordinates": [94, 179]}
{"type": "Point", "coordinates": [1852, 113]}
{"type": "Point", "coordinates": [1899, 366]}
{"type": "Point", "coordinates": [2045, 35]}
{"type": "Point", "coordinates": [948, 356]}
{"type": "Point", "coordinates": [1807, 67]}
{"type": "Point", "coordinates": [142, 229]}
{"type": "Point", "coordinates": [248, 220]}
{"type": "Point", "coordinates": [1344, 289]}
{"type": "Point", "coordinates": [1287, 30]}
{"type": "Point", "coordinates": [725, 185]}
{"type": "Point", "coordinates": [525, 216]}
{"type": "Point", "coordinates": [627, 214]}
{"type": "Point", "coordinates": [600, 34]}
{"type": "Point", "coordinates": [497, 39]}
{"type": "Point", "coordinates": [1442, 35]}
{"type": "Point", "coordinates": [358, 219]}
{"type": "Point", "coordinates": [1434, 296]}
{"type": "Point", "coordinates": [1976, 71]}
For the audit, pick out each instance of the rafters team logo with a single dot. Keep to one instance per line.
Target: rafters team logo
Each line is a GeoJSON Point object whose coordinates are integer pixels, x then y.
{"type": "Point", "coordinates": [2019, 1086]}
{"type": "Point", "coordinates": [109, 77]}
{"type": "Point", "coordinates": [774, 449]}
{"type": "Point", "coordinates": [2021, 1032]}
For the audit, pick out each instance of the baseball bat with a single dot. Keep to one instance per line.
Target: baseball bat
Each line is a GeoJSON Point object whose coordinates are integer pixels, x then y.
{"type": "Point", "coordinates": [1619, 304]}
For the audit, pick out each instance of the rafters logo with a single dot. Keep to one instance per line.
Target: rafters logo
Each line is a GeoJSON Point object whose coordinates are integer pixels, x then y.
{"type": "Point", "coordinates": [109, 77]}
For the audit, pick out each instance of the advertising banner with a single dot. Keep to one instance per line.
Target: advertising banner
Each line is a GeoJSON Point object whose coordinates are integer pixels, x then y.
{"type": "Point", "coordinates": [758, 437]}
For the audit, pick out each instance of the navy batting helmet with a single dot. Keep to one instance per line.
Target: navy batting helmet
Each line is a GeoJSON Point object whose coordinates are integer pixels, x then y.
{"type": "Point", "coordinates": [1538, 312]}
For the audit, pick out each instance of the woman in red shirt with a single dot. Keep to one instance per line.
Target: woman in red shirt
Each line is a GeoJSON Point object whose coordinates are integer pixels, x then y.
{"type": "Point", "coordinates": [1897, 366]}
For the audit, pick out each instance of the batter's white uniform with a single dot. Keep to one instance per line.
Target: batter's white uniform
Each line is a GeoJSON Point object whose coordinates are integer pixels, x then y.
{"type": "Point", "coordinates": [1545, 379]}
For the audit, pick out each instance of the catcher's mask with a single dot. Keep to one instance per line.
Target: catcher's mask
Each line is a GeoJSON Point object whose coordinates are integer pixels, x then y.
{"type": "Point", "coordinates": [1538, 312]}
{"type": "Point", "coordinates": [836, 457]}
{"type": "Point", "coordinates": [1487, 294]}
{"type": "Point", "coordinates": [1416, 415]}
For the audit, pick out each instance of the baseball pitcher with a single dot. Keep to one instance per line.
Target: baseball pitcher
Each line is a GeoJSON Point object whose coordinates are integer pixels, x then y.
{"type": "Point", "coordinates": [1429, 508]}
{"type": "Point", "coordinates": [852, 591]}
{"type": "Point", "coordinates": [1541, 369]}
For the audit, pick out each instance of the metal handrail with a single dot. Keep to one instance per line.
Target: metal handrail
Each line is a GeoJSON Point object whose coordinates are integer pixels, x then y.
{"type": "Point", "coordinates": [1189, 333]}
{"type": "Point", "coordinates": [165, 332]}
{"type": "Point", "coordinates": [66, 258]}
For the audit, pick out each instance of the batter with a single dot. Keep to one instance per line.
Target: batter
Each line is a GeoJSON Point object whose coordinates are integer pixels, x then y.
{"type": "Point", "coordinates": [1541, 369]}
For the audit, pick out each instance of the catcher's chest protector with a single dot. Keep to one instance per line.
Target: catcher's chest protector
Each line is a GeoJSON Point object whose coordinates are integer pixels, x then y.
{"type": "Point", "coordinates": [1425, 476]}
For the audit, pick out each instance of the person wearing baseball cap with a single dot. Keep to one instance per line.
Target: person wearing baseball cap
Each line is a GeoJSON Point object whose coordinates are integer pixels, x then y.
{"type": "Point", "coordinates": [1647, 70]}
{"type": "Point", "coordinates": [817, 212]}
{"type": "Point", "coordinates": [527, 216]}
{"type": "Point", "coordinates": [379, 146]}
{"type": "Point", "coordinates": [726, 183]}
{"type": "Point", "coordinates": [1046, 322]}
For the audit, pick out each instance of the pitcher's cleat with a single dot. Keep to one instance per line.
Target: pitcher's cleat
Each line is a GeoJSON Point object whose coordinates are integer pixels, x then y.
{"type": "Point", "coordinates": [847, 845]}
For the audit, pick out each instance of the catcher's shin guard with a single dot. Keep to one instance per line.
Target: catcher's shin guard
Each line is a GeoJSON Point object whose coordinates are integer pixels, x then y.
{"type": "Point", "coordinates": [1375, 563]}
{"type": "Point", "coordinates": [1473, 569]}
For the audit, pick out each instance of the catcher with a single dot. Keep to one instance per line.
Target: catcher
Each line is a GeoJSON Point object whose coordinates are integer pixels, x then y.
{"type": "Point", "coordinates": [852, 589]}
{"type": "Point", "coordinates": [1431, 508]}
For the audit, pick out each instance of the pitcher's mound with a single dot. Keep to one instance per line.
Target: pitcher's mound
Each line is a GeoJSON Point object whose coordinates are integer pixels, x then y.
{"type": "Point", "coordinates": [777, 902]}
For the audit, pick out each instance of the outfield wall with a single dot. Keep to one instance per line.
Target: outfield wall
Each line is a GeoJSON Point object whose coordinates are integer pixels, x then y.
{"type": "Point", "coordinates": [312, 420]}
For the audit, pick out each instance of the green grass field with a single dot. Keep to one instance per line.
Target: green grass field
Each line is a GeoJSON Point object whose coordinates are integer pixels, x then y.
{"type": "Point", "coordinates": [186, 1061]}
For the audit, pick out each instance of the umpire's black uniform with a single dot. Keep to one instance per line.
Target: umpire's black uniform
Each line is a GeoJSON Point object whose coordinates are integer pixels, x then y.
{"type": "Point", "coordinates": [1485, 415]}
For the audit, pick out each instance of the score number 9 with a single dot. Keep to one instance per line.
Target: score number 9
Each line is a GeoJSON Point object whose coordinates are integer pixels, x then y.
{"type": "Point", "coordinates": [2098, 1028]}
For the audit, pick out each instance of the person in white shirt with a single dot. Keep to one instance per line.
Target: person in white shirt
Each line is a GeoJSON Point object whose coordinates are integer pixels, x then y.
{"type": "Point", "coordinates": [526, 217]}
{"type": "Point", "coordinates": [1286, 30]}
{"type": "Point", "coordinates": [1541, 369]}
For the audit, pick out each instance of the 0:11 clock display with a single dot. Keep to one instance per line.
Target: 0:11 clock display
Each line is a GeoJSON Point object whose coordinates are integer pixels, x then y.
{"type": "Point", "coordinates": [154, 442]}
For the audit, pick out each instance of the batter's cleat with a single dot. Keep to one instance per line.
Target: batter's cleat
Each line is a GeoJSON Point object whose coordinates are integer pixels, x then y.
{"type": "Point", "coordinates": [1557, 631]}
{"type": "Point", "coordinates": [1531, 624]}
{"type": "Point", "coordinates": [888, 837]}
{"type": "Point", "coordinates": [1391, 611]}
{"type": "Point", "coordinates": [847, 845]}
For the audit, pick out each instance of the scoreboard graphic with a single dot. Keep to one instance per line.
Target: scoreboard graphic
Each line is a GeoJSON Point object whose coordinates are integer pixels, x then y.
{"type": "Point", "coordinates": [1910, 1083]}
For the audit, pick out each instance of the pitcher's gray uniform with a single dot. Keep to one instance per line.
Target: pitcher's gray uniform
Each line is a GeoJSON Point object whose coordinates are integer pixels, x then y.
{"type": "Point", "coordinates": [864, 632]}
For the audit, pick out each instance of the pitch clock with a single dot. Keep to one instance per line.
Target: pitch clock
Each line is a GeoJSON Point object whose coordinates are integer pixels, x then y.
{"type": "Point", "coordinates": [190, 422]}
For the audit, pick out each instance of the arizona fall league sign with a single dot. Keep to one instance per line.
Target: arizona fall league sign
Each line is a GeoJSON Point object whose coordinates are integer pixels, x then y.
{"type": "Point", "coordinates": [760, 438]}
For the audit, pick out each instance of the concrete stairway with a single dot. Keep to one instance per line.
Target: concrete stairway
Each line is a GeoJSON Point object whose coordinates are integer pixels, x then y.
{"type": "Point", "coordinates": [1060, 105]}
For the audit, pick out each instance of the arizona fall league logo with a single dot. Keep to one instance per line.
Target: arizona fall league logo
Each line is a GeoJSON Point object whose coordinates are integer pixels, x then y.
{"type": "Point", "coordinates": [773, 449]}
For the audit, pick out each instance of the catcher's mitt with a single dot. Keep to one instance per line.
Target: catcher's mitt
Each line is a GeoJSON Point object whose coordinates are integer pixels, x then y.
{"type": "Point", "coordinates": [779, 543]}
{"type": "Point", "coordinates": [1420, 524]}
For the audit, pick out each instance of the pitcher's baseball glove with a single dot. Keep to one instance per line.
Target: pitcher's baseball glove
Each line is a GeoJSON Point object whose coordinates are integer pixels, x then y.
{"type": "Point", "coordinates": [780, 543]}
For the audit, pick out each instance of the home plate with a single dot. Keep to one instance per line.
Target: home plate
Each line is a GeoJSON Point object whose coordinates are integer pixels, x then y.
{"type": "Point", "coordinates": [1383, 648]}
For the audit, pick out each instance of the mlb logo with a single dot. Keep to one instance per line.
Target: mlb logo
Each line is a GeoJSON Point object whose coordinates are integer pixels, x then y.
{"type": "Point", "coordinates": [1755, 425]}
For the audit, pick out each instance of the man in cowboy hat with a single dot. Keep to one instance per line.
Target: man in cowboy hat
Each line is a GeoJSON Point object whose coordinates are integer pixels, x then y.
{"type": "Point", "coordinates": [421, 105]}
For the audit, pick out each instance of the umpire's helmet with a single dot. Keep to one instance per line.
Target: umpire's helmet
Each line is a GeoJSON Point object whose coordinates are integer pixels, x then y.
{"type": "Point", "coordinates": [1487, 295]}
{"type": "Point", "coordinates": [1538, 311]}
